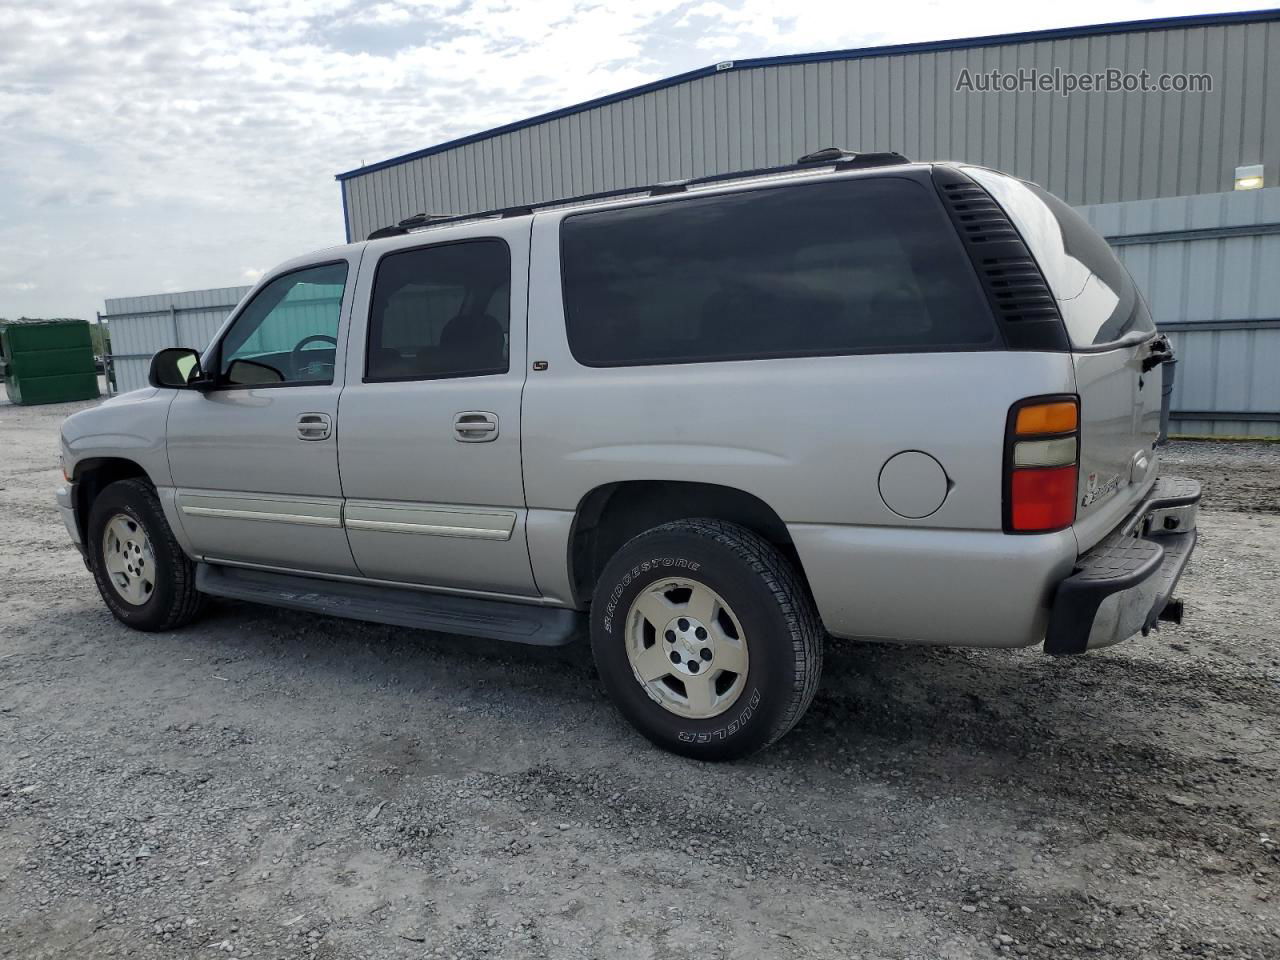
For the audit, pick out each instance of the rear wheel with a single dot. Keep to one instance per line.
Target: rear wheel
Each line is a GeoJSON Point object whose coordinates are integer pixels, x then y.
{"type": "Point", "coordinates": [144, 577]}
{"type": "Point", "coordinates": [706, 639]}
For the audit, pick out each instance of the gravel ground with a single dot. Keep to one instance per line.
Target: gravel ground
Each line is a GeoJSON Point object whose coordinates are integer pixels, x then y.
{"type": "Point", "coordinates": [1233, 476]}
{"type": "Point", "coordinates": [272, 784]}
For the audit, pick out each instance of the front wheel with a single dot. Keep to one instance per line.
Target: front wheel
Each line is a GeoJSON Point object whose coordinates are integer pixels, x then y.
{"type": "Point", "coordinates": [144, 577]}
{"type": "Point", "coordinates": [706, 639]}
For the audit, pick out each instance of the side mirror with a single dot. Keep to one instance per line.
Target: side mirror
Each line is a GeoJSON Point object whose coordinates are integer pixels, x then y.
{"type": "Point", "coordinates": [177, 368]}
{"type": "Point", "coordinates": [250, 372]}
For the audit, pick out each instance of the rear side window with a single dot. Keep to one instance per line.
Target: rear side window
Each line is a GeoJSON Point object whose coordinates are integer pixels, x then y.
{"type": "Point", "coordinates": [442, 311]}
{"type": "Point", "coordinates": [854, 266]}
{"type": "Point", "coordinates": [1098, 299]}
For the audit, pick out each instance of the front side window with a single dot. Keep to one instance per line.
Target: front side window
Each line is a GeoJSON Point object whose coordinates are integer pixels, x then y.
{"type": "Point", "coordinates": [442, 311]}
{"type": "Point", "coordinates": [844, 266]}
{"type": "Point", "coordinates": [288, 332]}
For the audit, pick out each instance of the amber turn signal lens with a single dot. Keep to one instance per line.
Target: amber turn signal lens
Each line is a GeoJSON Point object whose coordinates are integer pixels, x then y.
{"type": "Point", "coordinates": [1058, 417]}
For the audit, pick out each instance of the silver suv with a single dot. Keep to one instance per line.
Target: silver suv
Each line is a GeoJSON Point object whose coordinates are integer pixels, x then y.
{"type": "Point", "coordinates": [719, 419]}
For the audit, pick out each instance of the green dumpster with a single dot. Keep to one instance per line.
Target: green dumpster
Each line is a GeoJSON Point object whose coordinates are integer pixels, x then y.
{"type": "Point", "coordinates": [47, 361]}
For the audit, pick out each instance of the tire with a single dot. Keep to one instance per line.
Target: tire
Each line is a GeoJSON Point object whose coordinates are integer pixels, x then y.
{"type": "Point", "coordinates": [738, 694]}
{"type": "Point", "coordinates": [140, 535]}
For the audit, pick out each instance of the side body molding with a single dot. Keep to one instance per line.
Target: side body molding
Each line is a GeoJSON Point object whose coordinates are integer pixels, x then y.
{"type": "Point", "coordinates": [434, 520]}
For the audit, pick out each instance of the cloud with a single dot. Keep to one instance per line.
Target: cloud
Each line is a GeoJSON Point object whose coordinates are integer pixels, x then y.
{"type": "Point", "coordinates": [149, 143]}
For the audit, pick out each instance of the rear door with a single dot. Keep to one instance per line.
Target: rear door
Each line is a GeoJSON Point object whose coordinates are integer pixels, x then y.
{"type": "Point", "coordinates": [429, 425]}
{"type": "Point", "coordinates": [1111, 334]}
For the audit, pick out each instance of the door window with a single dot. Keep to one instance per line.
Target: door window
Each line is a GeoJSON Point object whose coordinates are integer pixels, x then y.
{"type": "Point", "coordinates": [441, 311]}
{"type": "Point", "coordinates": [287, 335]}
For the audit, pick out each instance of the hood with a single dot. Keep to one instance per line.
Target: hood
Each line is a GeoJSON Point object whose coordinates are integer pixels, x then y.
{"type": "Point", "coordinates": [122, 414]}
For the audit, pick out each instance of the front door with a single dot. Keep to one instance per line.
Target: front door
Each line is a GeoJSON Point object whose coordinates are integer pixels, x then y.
{"type": "Point", "coordinates": [429, 423]}
{"type": "Point", "coordinates": [255, 458]}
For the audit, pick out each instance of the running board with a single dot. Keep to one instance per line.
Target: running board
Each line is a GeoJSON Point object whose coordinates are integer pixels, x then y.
{"type": "Point", "coordinates": [399, 607]}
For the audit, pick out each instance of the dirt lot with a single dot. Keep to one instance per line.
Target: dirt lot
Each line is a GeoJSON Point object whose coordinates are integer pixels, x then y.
{"type": "Point", "coordinates": [270, 784]}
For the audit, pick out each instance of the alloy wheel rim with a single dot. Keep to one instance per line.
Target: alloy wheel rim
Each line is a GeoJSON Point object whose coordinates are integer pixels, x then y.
{"type": "Point", "coordinates": [128, 559]}
{"type": "Point", "coordinates": [686, 648]}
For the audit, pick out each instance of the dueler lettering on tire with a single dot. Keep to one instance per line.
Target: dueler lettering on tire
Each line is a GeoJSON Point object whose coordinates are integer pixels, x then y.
{"type": "Point", "coordinates": [689, 736]}
{"type": "Point", "coordinates": [705, 638]}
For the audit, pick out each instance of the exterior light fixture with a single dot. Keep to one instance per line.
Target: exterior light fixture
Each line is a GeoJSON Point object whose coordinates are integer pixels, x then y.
{"type": "Point", "coordinates": [1249, 177]}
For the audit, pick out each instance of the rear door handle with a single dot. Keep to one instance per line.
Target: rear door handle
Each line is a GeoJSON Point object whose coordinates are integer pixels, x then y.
{"type": "Point", "coordinates": [314, 426]}
{"type": "Point", "coordinates": [475, 426]}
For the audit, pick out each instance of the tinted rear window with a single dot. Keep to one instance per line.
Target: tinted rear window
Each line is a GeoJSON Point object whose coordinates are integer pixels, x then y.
{"type": "Point", "coordinates": [1128, 314]}
{"type": "Point", "coordinates": [1098, 299]}
{"type": "Point", "coordinates": [855, 266]}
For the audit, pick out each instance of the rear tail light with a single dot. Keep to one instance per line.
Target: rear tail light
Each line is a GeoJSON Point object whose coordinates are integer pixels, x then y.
{"type": "Point", "coordinates": [1041, 464]}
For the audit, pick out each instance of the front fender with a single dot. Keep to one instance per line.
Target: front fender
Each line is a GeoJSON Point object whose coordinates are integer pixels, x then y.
{"type": "Point", "coordinates": [128, 427]}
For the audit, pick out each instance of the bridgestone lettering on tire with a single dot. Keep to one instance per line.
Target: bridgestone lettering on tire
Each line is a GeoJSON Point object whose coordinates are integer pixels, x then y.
{"type": "Point", "coordinates": [706, 639]}
{"type": "Point", "coordinates": [142, 573]}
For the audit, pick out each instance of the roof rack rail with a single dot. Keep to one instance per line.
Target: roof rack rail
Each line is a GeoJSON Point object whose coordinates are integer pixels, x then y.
{"type": "Point", "coordinates": [407, 224]}
{"type": "Point", "coordinates": [830, 156]}
{"type": "Point", "coordinates": [421, 219]}
{"type": "Point", "coordinates": [668, 188]}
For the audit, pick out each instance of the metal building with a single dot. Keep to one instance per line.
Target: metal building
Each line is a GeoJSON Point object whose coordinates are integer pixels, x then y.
{"type": "Point", "coordinates": [1088, 148]}
{"type": "Point", "coordinates": [1207, 265]}
{"type": "Point", "coordinates": [141, 326]}
{"type": "Point", "coordinates": [1154, 171]}
{"type": "Point", "coordinates": [1123, 156]}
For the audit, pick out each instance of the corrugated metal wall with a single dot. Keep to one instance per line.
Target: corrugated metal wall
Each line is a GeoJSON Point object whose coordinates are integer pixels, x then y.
{"type": "Point", "coordinates": [1209, 266]}
{"type": "Point", "coordinates": [1088, 147]}
{"type": "Point", "coordinates": [140, 326]}
{"type": "Point", "coordinates": [1210, 269]}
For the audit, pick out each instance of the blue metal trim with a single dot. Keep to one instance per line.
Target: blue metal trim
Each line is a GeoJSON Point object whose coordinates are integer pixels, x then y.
{"type": "Point", "coordinates": [346, 215]}
{"type": "Point", "coordinates": [1249, 416]}
{"type": "Point", "coordinates": [898, 49]}
{"type": "Point", "coordinates": [1185, 326]}
{"type": "Point", "coordinates": [1196, 233]}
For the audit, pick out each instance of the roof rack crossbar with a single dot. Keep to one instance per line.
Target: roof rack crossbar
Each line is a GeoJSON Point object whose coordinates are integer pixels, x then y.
{"type": "Point", "coordinates": [830, 157]}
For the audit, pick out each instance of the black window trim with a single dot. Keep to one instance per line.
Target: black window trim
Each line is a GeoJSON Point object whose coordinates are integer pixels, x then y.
{"type": "Point", "coordinates": [373, 287]}
{"type": "Point", "coordinates": [995, 343]}
{"type": "Point", "coordinates": [215, 351]}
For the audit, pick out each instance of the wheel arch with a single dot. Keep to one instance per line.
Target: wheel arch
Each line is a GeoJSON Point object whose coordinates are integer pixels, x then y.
{"type": "Point", "coordinates": [611, 514]}
{"type": "Point", "coordinates": [95, 474]}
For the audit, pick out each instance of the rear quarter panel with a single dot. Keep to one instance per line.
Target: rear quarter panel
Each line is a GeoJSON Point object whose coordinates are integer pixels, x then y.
{"type": "Point", "coordinates": [806, 435]}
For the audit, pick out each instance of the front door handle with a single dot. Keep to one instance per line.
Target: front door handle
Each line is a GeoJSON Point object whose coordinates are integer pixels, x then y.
{"type": "Point", "coordinates": [475, 426]}
{"type": "Point", "coordinates": [314, 426]}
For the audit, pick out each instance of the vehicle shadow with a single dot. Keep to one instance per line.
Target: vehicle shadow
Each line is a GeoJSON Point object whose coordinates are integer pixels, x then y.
{"type": "Point", "coordinates": [972, 725]}
{"type": "Point", "coordinates": [1005, 704]}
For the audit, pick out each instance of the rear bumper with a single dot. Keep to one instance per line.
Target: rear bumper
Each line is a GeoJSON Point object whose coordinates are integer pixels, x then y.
{"type": "Point", "coordinates": [1123, 585]}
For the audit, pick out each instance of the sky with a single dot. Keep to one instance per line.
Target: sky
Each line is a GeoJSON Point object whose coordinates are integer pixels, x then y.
{"type": "Point", "coordinates": [149, 147]}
